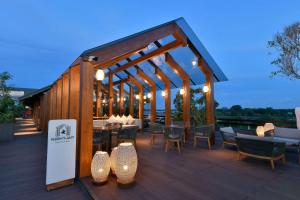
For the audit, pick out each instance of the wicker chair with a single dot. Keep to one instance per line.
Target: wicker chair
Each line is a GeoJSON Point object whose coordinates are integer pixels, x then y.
{"type": "Point", "coordinates": [155, 129]}
{"type": "Point", "coordinates": [173, 135]}
{"type": "Point", "coordinates": [203, 132]}
{"type": "Point", "coordinates": [127, 134]}
{"type": "Point", "coordinates": [102, 137]}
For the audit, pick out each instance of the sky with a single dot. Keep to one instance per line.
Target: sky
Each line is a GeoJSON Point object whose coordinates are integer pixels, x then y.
{"type": "Point", "coordinates": [40, 39]}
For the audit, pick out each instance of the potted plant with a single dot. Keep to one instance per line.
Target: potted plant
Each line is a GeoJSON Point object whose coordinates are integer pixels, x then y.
{"type": "Point", "coordinates": [8, 109]}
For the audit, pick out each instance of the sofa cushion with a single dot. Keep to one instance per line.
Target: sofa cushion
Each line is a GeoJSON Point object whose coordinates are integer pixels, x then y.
{"type": "Point", "coordinates": [297, 112]}
{"type": "Point", "coordinates": [291, 133]}
{"type": "Point", "coordinates": [228, 130]}
{"type": "Point", "coordinates": [124, 120]}
{"type": "Point", "coordinates": [130, 119]}
{"type": "Point", "coordinates": [112, 119]}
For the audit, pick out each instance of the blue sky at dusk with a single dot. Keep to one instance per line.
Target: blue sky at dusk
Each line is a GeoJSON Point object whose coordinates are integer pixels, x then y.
{"type": "Point", "coordinates": [40, 39]}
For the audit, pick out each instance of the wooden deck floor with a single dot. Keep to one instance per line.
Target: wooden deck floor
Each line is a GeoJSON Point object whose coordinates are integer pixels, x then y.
{"type": "Point", "coordinates": [203, 174]}
{"type": "Point", "coordinates": [23, 168]}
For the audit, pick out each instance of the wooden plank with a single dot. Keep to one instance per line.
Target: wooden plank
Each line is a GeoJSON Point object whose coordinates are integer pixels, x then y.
{"type": "Point", "coordinates": [186, 86]}
{"type": "Point", "coordinates": [74, 100]}
{"type": "Point", "coordinates": [121, 96]}
{"type": "Point", "coordinates": [65, 96]}
{"type": "Point", "coordinates": [86, 117]}
{"type": "Point", "coordinates": [152, 84]}
{"type": "Point", "coordinates": [54, 101]}
{"type": "Point", "coordinates": [152, 54]}
{"type": "Point", "coordinates": [167, 98]}
{"type": "Point", "coordinates": [58, 98]}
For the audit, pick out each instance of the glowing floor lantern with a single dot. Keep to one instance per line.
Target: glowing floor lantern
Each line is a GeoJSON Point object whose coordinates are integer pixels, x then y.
{"type": "Point", "coordinates": [126, 163]}
{"type": "Point", "coordinates": [260, 131]}
{"type": "Point", "coordinates": [113, 157]}
{"type": "Point", "coordinates": [100, 167]}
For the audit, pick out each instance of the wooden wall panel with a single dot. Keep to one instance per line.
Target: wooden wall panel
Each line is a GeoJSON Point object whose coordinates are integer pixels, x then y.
{"type": "Point", "coordinates": [65, 96]}
{"type": "Point", "coordinates": [86, 117]}
{"type": "Point", "coordinates": [74, 92]}
{"type": "Point", "coordinates": [59, 99]}
{"type": "Point", "coordinates": [54, 101]}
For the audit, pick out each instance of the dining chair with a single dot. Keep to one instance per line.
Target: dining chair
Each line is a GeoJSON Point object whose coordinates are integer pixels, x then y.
{"type": "Point", "coordinates": [173, 135]}
{"type": "Point", "coordinates": [102, 137]}
{"type": "Point", "coordinates": [127, 134]}
{"type": "Point", "coordinates": [155, 130]}
{"type": "Point", "coordinates": [203, 132]}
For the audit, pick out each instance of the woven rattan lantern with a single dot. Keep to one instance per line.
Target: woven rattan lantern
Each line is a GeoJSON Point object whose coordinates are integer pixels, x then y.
{"type": "Point", "coordinates": [113, 156]}
{"type": "Point", "coordinates": [260, 131]}
{"type": "Point", "coordinates": [269, 127]}
{"type": "Point", "coordinates": [126, 164]}
{"type": "Point", "coordinates": [100, 167]}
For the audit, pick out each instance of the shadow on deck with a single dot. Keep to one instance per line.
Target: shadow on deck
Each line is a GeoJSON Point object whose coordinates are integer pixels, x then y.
{"type": "Point", "coordinates": [202, 174]}
{"type": "Point", "coordinates": [23, 168]}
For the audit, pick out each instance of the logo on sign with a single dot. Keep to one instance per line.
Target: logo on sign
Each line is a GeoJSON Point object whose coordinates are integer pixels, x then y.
{"type": "Point", "coordinates": [62, 134]}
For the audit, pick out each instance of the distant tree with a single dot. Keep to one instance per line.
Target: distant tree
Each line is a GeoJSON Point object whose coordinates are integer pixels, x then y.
{"type": "Point", "coordinates": [287, 44]}
{"type": "Point", "coordinates": [236, 110]}
{"type": "Point", "coordinates": [4, 77]}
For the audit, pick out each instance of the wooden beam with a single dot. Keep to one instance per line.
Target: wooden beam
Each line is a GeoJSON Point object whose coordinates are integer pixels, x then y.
{"type": "Point", "coordinates": [150, 55]}
{"type": "Point", "coordinates": [128, 46]}
{"type": "Point", "coordinates": [74, 100]}
{"type": "Point", "coordinates": [186, 86]}
{"type": "Point", "coordinates": [65, 96]}
{"type": "Point", "coordinates": [152, 84]}
{"type": "Point", "coordinates": [131, 101]}
{"type": "Point", "coordinates": [110, 94]}
{"type": "Point", "coordinates": [120, 81]}
{"type": "Point", "coordinates": [98, 98]}
{"type": "Point", "coordinates": [121, 96]}
{"type": "Point", "coordinates": [167, 97]}
{"type": "Point", "coordinates": [86, 117]}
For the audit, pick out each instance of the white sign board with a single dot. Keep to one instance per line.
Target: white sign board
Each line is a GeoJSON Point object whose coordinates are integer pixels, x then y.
{"type": "Point", "coordinates": [297, 112]}
{"type": "Point", "coordinates": [61, 153]}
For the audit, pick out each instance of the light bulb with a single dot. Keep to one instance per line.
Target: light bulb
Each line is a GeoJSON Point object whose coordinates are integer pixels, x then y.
{"type": "Point", "coordinates": [100, 75]}
{"type": "Point", "coordinates": [163, 93]}
{"type": "Point", "coordinates": [145, 97]}
{"type": "Point", "coordinates": [137, 96]}
{"type": "Point", "coordinates": [149, 95]}
{"type": "Point", "coordinates": [181, 91]}
{"type": "Point", "coordinates": [205, 88]}
{"type": "Point", "coordinates": [125, 167]}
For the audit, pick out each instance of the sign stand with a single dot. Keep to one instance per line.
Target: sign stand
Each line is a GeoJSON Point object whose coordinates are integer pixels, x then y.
{"type": "Point", "coordinates": [61, 153]}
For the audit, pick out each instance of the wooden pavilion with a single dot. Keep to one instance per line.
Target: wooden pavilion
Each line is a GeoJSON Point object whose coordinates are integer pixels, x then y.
{"type": "Point", "coordinates": [160, 58]}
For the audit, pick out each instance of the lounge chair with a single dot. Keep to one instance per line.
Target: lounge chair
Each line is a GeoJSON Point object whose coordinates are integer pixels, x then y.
{"type": "Point", "coordinates": [127, 134]}
{"type": "Point", "coordinates": [228, 136]}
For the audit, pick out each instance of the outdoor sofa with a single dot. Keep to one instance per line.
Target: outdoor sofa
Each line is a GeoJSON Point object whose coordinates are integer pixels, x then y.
{"type": "Point", "coordinates": [260, 147]}
{"type": "Point", "coordinates": [126, 121]}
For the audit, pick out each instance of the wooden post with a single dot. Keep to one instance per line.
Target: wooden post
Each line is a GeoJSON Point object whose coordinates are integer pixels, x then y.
{"type": "Point", "coordinates": [152, 84]}
{"type": "Point", "coordinates": [209, 96]}
{"type": "Point", "coordinates": [186, 86]}
{"type": "Point", "coordinates": [121, 96]}
{"type": "Point", "coordinates": [74, 100]}
{"type": "Point", "coordinates": [110, 94]}
{"type": "Point", "coordinates": [65, 96]}
{"type": "Point", "coordinates": [98, 98]}
{"type": "Point", "coordinates": [86, 117]}
{"type": "Point", "coordinates": [59, 98]}
{"type": "Point", "coordinates": [141, 99]}
{"type": "Point", "coordinates": [167, 97]}
{"type": "Point", "coordinates": [131, 101]}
